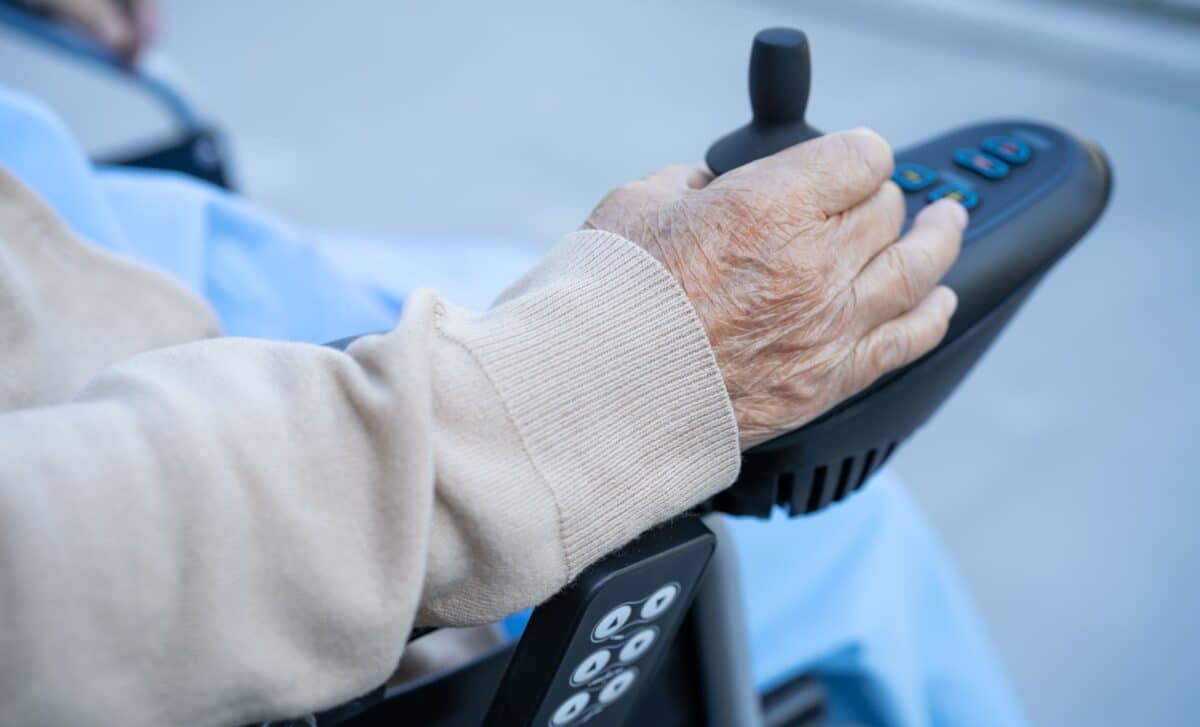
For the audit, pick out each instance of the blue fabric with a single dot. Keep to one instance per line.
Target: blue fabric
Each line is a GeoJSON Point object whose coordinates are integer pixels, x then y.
{"type": "Point", "coordinates": [863, 593]}
{"type": "Point", "coordinates": [264, 276]}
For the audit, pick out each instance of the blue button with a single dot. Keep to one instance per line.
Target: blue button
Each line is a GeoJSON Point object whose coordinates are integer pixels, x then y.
{"type": "Point", "coordinates": [965, 196]}
{"type": "Point", "coordinates": [1009, 148]}
{"type": "Point", "coordinates": [980, 163]}
{"type": "Point", "coordinates": [913, 177]}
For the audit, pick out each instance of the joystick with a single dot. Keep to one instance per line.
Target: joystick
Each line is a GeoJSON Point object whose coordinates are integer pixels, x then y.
{"type": "Point", "coordinates": [780, 78]}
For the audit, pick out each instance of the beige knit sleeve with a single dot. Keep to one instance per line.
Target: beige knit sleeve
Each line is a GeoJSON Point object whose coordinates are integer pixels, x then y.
{"type": "Point", "coordinates": [69, 309]}
{"type": "Point", "coordinates": [232, 530]}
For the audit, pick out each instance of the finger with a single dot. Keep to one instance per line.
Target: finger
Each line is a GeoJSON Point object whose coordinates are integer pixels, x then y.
{"type": "Point", "coordinates": [901, 275]}
{"type": "Point", "coordinates": [870, 227]}
{"type": "Point", "coordinates": [831, 173]}
{"type": "Point", "coordinates": [145, 22]}
{"type": "Point", "coordinates": [903, 340]}
{"type": "Point", "coordinates": [680, 177]}
{"type": "Point", "coordinates": [104, 20]}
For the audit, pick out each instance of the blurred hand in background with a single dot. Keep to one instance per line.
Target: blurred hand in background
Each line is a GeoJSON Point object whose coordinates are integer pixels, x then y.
{"type": "Point", "coordinates": [126, 27]}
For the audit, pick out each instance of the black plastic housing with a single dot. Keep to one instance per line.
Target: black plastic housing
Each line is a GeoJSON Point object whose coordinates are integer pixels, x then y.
{"type": "Point", "coordinates": [543, 676]}
{"type": "Point", "coordinates": [1023, 224]}
{"type": "Point", "coordinates": [780, 80]}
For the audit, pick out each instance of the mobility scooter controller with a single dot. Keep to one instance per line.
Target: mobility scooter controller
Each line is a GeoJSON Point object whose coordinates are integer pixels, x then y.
{"type": "Point", "coordinates": [1032, 191]}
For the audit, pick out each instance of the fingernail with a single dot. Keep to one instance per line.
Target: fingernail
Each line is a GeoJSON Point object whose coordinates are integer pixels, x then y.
{"type": "Point", "coordinates": [948, 300]}
{"type": "Point", "coordinates": [959, 214]}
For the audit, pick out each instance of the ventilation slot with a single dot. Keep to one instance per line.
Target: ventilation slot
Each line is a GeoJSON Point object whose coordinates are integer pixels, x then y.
{"type": "Point", "coordinates": [868, 465]}
{"type": "Point", "coordinates": [818, 486]}
{"type": "Point", "coordinates": [844, 478]}
{"type": "Point", "coordinates": [787, 486]}
{"type": "Point", "coordinates": [887, 453]}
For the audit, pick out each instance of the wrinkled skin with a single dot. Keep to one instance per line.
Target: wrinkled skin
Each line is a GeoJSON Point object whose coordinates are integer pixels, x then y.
{"type": "Point", "coordinates": [793, 266]}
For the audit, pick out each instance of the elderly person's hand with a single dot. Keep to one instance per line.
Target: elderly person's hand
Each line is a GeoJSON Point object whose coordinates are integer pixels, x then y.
{"type": "Point", "coordinates": [793, 265]}
{"type": "Point", "coordinates": [125, 27]}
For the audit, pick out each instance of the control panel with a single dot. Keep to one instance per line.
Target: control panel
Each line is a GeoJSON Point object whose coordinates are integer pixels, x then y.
{"type": "Point", "coordinates": [990, 168]}
{"type": "Point", "coordinates": [588, 652]}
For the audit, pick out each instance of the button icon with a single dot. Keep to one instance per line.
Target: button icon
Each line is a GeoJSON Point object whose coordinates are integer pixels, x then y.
{"type": "Point", "coordinates": [570, 710]}
{"type": "Point", "coordinates": [980, 163]}
{"type": "Point", "coordinates": [637, 645]}
{"type": "Point", "coordinates": [617, 686]}
{"type": "Point", "coordinates": [659, 601]}
{"type": "Point", "coordinates": [913, 177]}
{"type": "Point", "coordinates": [591, 666]}
{"type": "Point", "coordinates": [612, 622]}
{"type": "Point", "coordinates": [1009, 148]}
{"type": "Point", "coordinates": [963, 195]}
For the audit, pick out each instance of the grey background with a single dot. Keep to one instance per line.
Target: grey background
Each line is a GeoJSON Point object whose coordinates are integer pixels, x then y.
{"type": "Point", "coordinates": [1062, 475]}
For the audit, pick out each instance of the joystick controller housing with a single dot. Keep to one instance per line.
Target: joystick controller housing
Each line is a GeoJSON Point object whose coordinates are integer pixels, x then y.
{"type": "Point", "coordinates": [1032, 190]}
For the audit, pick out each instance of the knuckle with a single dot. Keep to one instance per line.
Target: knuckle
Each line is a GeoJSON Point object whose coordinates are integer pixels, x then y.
{"type": "Point", "coordinates": [618, 202]}
{"type": "Point", "coordinates": [939, 217]}
{"type": "Point", "coordinates": [894, 349]}
{"type": "Point", "coordinates": [847, 163]}
{"type": "Point", "coordinates": [924, 264]}
{"type": "Point", "coordinates": [940, 326]}
{"type": "Point", "coordinates": [955, 246]}
{"type": "Point", "coordinates": [893, 207]}
{"type": "Point", "coordinates": [927, 332]}
{"type": "Point", "coordinates": [903, 278]}
{"type": "Point", "coordinates": [845, 316]}
{"type": "Point", "coordinates": [631, 191]}
{"type": "Point", "coordinates": [871, 151]}
{"type": "Point", "coordinates": [828, 278]}
{"type": "Point", "coordinates": [803, 388]}
{"type": "Point", "coordinates": [673, 174]}
{"type": "Point", "coordinates": [883, 217]}
{"type": "Point", "coordinates": [940, 250]}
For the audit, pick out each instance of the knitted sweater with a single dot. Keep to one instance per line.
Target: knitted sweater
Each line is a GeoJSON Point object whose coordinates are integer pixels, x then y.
{"type": "Point", "coordinates": [207, 530]}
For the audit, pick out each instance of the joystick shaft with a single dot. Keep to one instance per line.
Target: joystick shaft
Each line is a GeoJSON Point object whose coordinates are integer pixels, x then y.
{"type": "Point", "coordinates": [780, 78]}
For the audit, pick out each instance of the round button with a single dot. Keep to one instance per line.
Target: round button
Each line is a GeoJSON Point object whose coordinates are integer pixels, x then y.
{"type": "Point", "coordinates": [617, 686]}
{"type": "Point", "coordinates": [612, 622]}
{"type": "Point", "coordinates": [570, 710]}
{"type": "Point", "coordinates": [660, 601]}
{"type": "Point", "coordinates": [591, 666]}
{"type": "Point", "coordinates": [638, 644]}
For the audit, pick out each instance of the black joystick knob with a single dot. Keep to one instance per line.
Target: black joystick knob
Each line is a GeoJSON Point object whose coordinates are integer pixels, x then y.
{"type": "Point", "coordinates": [780, 75]}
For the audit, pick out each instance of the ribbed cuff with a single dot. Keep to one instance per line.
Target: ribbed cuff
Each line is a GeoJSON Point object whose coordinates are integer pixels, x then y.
{"type": "Point", "coordinates": [609, 378]}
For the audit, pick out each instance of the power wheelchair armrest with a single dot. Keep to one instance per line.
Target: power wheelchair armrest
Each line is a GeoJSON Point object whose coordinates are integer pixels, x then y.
{"type": "Point", "coordinates": [694, 669]}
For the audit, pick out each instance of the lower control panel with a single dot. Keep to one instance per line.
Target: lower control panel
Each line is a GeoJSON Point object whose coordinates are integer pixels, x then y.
{"type": "Point", "coordinates": [589, 650]}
